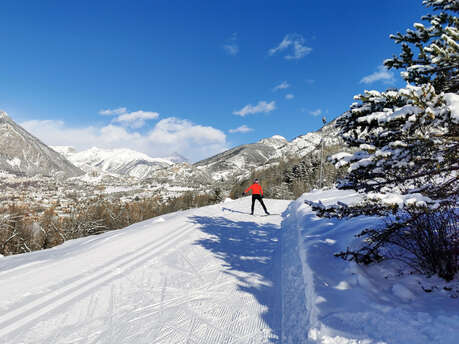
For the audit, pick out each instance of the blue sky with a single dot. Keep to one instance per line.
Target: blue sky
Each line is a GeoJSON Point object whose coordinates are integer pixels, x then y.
{"type": "Point", "coordinates": [193, 77]}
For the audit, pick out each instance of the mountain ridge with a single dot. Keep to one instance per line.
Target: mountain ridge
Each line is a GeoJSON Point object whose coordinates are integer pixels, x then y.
{"type": "Point", "coordinates": [122, 161]}
{"type": "Point", "coordinates": [240, 160]}
{"type": "Point", "coordinates": [24, 154]}
{"type": "Point", "coordinates": [235, 163]}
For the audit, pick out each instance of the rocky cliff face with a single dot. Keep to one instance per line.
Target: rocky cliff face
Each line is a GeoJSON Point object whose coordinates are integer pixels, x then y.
{"type": "Point", "coordinates": [23, 154]}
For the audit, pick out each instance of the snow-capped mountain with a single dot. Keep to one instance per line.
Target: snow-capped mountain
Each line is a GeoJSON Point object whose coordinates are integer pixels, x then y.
{"type": "Point", "coordinates": [176, 158]}
{"type": "Point", "coordinates": [242, 159]}
{"type": "Point", "coordinates": [121, 161]}
{"type": "Point", "coordinates": [305, 144]}
{"type": "Point", "coordinates": [239, 161]}
{"type": "Point", "coordinates": [23, 154]}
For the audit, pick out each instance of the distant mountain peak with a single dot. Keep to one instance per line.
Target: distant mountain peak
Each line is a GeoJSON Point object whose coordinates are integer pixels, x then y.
{"type": "Point", "coordinates": [24, 154]}
{"type": "Point", "coordinates": [278, 137]}
{"type": "Point", "coordinates": [177, 158]}
{"type": "Point", "coordinates": [64, 150]}
{"type": "Point", "coordinates": [241, 160]}
{"type": "Point", "coordinates": [275, 141]}
{"type": "Point", "coordinates": [122, 161]}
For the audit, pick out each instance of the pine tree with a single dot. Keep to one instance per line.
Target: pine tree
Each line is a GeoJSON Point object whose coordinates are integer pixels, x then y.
{"type": "Point", "coordinates": [407, 140]}
{"type": "Point", "coordinates": [437, 57]}
{"type": "Point", "coordinates": [407, 157]}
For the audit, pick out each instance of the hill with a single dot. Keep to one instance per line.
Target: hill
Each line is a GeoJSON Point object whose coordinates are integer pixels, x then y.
{"type": "Point", "coordinates": [23, 154]}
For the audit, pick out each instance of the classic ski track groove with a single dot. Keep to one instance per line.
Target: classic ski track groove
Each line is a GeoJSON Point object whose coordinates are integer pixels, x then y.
{"type": "Point", "coordinates": [183, 284]}
{"type": "Point", "coordinates": [45, 264]}
{"type": "Point", "coordinates": [21, 316]}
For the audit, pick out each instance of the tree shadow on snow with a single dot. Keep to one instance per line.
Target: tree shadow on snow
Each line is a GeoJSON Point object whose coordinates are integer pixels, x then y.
{"type": "Point", "coordinates": [254, 250]}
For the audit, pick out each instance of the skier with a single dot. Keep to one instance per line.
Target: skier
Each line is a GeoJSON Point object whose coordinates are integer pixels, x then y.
{"type": "Point", "coordinates": [257, 193]}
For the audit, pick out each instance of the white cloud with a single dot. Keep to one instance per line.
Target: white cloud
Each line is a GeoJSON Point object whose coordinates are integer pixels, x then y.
{"type": "Point", "coordinates": [231, 47]}
{"type": "Point", "coordinates": [282, 86]}
{"type": "Point", "coordinates": [382, 74]}
{"type": "Point", "coordinates": [316, 112]}
{"type": "Point", "coordinates": [262, 106]}
{"type": "Point", "coordinates": [169, 135]}
{"type": "Point", "coordinates": [110, 112]}
{"type": "Point", "coordinates": [296, 43]}
{"type": "Point", "coordinates": [175, 130]}
{"type": "Point", "coordinates": [289, 96]}
{"type": "Point", "coordinates": [134, 119]}
{"type": "Point", "coordinates": [241, 129]}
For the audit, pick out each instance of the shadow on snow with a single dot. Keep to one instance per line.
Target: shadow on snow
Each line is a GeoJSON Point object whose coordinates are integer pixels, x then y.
{"type": "Point", "coordinates": [252, 248]}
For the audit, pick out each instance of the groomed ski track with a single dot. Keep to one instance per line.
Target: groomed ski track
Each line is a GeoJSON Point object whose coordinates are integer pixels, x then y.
{"type": "Point", "coordinates": [207, 275]}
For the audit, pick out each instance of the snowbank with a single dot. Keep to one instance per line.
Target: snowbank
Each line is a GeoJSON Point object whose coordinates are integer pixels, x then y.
{"type": "Point", "coordinates": [329, 300]}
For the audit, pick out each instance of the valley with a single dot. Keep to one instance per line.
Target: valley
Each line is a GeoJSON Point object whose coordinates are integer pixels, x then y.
{"type": "Point", "coordinates": [69, 194]}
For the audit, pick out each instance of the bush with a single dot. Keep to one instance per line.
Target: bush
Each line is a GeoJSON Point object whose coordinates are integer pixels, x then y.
{"type": "Point", "coordinates": [426, 240]}
{"type": "Point", "coordinates": [23, 230]}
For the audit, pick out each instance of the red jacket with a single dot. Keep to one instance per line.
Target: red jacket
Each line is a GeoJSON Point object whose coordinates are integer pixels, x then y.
{"type": "Point", "coordinates": [256, 189]}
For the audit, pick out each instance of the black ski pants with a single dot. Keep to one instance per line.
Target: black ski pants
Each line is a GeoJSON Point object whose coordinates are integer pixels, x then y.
{"type": "Point", "coordinates": [258, 197]}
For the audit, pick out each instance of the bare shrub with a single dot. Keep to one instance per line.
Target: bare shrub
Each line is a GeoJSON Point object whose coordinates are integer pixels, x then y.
{"type": "Point", "coordinates": [426, 240]}
{"type": "Point", "coordinates": [22, 230]}
{"type": "Point", "coordinates": [13, 236]}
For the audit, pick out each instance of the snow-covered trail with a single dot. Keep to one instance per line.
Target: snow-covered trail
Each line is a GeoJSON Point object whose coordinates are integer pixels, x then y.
{"type": "Point", "coordinates": [207, 275]}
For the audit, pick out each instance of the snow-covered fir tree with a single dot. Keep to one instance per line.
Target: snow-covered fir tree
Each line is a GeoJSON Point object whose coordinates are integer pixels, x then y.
{"type": "Point", "coordinates": [407, 158]}
{"type": "Point", "coordinates": [407, 140]}
{"type": "Point", "coordinates": [436, 45]}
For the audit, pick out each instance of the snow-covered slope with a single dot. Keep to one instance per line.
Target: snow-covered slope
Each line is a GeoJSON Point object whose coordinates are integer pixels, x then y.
{"type": "Point", "coordinates": [239, 161]}
{"type": "Point", "coordinates": [120, 161]}
{"type": "Point", "coordinates": [304, 144]}
{"type": "Point", "coordinates": [219, 275]}
{"type": "Point", "coordinates": [22, 153]}
{"type": "Point", "coordinates": [208, 275]}
{"type": "Point", "coordinates": [329, 300]}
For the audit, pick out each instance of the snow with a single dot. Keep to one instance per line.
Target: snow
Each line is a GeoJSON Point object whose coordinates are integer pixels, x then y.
{"type": "Point", "coordinates": [219, 275]}
{"type": "Point", "coordinates": [120, 160]}
{"type": "Point", "coordinates": [279, 137]}
{"type": "Point", "coordinates": [112, 156]}
{"type": "Point", "coordinates": [275, 141]}
{"type": "Point", "coordinates": [403, 293]}
{"type": "Point", "coordinates": [390, 115]}
{"type": "Point", "coordinates": [15, 162]}
{"type": "Point", "coordinates": [401, 200]}
{"type": "Point", "coordinates": [329, 300]}
{"type": "Point", "coordinates": [207, 275]}
{"type": "Point", "coordinates": [363, 162]}
{"type": "Point", "coordinates": [64, 150]}
{"type": "Point", "coordinates": [179, 188]}
{"type": "Point", "coordinates": [452, 100]}
{"type": "Point", "coordinates": [115, 189]}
